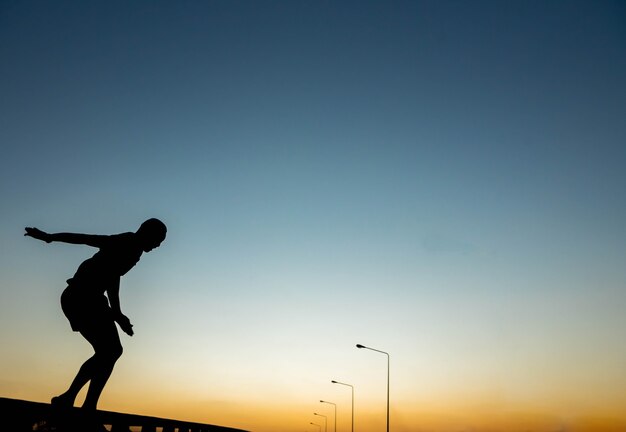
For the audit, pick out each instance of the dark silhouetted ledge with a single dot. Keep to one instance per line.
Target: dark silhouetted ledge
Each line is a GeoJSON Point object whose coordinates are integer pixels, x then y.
{"type": "Point", "coordinates": [22, 416]}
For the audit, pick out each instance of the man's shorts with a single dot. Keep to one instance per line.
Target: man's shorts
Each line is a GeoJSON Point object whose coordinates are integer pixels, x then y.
{"type": "Point", "coordinates": [84, 309]}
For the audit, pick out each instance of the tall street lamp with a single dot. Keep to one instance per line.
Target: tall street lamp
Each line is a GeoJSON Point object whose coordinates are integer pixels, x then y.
{"type": "Point", "coordinates": [352, 387]}
{"type": "Point", "coordinates": [335, 430]}
{"type": "Point", "coordinates": [387, 354]}
{"type": "Point", "coordinates": [325, 421]}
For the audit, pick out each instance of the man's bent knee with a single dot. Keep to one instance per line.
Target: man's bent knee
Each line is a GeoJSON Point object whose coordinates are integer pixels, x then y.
{"type": "Point", "coordinates": [116, 352]}
{"type": "Point", "coordinates": [109, 355]}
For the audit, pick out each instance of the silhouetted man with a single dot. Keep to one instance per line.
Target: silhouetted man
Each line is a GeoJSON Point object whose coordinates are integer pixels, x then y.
{"type": "Point", "coordinates": [87, 308]}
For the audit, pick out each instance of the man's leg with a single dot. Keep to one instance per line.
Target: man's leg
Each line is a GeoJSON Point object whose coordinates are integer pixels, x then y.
{"type": "Point", "coordinates": [108, 348]}
{"type": "Point", "coordinates": [85, 373]}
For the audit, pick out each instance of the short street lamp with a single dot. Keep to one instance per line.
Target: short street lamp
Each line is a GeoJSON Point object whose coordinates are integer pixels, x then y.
{"type": "Point", "coordinates": [325, 421]}
{"type": "Point", "coordinates": [352, 387]}
{"type": "Point", "coordinates": [326, 402]}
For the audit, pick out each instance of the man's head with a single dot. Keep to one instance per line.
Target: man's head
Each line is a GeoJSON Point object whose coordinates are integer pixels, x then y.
{"type": "Point", "coordinates": [151, 233]}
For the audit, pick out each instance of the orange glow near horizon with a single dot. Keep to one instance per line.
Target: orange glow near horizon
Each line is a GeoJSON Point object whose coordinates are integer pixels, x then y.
{"type": "Point", "coordinates": [265, 414]}
{"type": "Point", "coordinates": [239, 387]}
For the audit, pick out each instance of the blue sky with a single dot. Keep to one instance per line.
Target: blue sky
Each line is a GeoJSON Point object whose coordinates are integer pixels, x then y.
{"type": "Point", "coordinates": [443, 180]}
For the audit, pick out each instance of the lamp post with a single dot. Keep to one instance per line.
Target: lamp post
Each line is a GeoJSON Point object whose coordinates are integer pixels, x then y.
{"type": "Point", "coordinates": [319, 426]}
{"type": "Point", "coordinates": [387, 354]}
{"type": "Point", "coordinates": [334, 430]}
{"type": "Point", "coordinates": [352, 387]}
{"type": "Point", "coordinates": [325, 421]}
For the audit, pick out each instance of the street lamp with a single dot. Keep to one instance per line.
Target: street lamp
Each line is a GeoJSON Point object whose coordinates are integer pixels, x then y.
{"type": "Point", "coordinates": [387, 354]}
{"type": "Point", "coordinates": [319, 426]}
{"type": "Point", "coordinates": [325, 421]}
{"type": "Point", "coordinates": [352, 387]}
{"type": "Point", "coordinates": [335, 430]}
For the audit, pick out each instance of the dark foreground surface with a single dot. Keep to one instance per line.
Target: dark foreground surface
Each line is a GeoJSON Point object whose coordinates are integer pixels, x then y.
{"type": "Point", "coordinates": [22, 416]}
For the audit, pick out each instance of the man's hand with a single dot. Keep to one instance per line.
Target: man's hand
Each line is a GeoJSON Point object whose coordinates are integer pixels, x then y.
{"type": "Point", "coordinates": [125, 324]}
{"type": "Point", "coordinates": [37, 234]}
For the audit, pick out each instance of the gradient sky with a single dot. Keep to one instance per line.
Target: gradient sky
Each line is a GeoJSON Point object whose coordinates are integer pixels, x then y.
{"type": "Point", "coordinates": [441, 180]}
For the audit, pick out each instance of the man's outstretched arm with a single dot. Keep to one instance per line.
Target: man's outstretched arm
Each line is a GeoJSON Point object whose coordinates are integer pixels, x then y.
{"type": "Point", "coordinates": [72, 238]}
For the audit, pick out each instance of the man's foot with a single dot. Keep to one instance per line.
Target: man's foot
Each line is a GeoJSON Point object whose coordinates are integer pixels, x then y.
{"type": "Point", "coordinates": [62, 401]}
{"type": "Point", "coordinates": [89, 407]}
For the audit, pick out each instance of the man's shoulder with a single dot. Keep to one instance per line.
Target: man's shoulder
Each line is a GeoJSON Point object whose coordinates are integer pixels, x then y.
{"type": "Point", "coordinates": [122, 239]}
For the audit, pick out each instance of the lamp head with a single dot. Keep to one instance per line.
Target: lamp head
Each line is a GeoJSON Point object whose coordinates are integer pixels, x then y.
{"type": "Point", "coordinates": [360, 346]}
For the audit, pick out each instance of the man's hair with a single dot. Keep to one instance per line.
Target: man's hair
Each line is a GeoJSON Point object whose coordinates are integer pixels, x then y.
{"type": "Point", "coordinates": [153, 228]}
